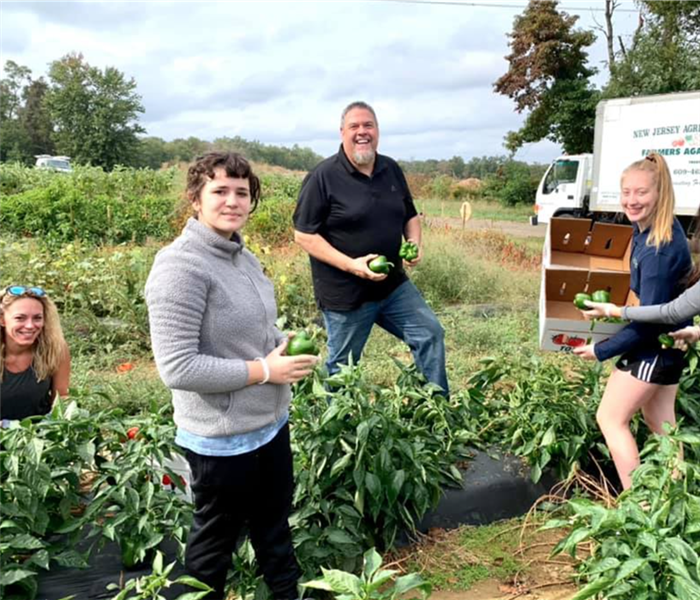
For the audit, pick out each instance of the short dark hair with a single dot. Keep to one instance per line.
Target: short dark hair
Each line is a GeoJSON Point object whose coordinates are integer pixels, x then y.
{"type": "Point", "coordinates": [233, 164]}
{"type": "Point", "coordinates": [354, 105]}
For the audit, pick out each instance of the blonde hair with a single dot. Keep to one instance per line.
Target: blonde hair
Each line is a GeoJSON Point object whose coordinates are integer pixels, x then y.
{"type": "Point", "coordinates": [50, 347]}
{"type": "Point", "coordinates": [661, 229]}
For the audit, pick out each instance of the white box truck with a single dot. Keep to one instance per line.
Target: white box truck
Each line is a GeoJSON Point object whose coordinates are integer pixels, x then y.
{"type": "Point", "coordinates": [627, 129]}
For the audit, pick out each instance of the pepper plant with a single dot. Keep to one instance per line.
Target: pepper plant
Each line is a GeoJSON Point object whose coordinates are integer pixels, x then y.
{"type": "Point", "coordinates": [372, 584]}
{"type": "Point", "coordinates": [149, 587]}
{"type": "Point", "coordinates": [130, 505]}
{"type": "Point", "coordinates": [41, 462]}
{"type": "Point", "coordinates": [646, 547]}
{"type": "Point", "coordinates": [370, 462]}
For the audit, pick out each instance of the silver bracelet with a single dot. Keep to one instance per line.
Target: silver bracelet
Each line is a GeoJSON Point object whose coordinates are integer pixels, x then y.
{"type": "Point", "coordinates": [266, 370]}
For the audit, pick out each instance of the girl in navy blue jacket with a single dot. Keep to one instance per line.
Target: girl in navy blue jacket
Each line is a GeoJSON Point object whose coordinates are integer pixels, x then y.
{"type": "Point", "coordinates": [646, 376]}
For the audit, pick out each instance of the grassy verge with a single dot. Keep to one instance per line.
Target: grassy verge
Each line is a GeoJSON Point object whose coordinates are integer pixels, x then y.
{"type": "Point", "coordinates": [481, 209]}
{"type": "Point", "coordinates": [459, 559]}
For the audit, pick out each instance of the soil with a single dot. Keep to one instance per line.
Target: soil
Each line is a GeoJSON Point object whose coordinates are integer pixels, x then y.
{"type": "Point", "coordinates": [541, 576]}
{"type": "Point", "coordinates": [511, 228]}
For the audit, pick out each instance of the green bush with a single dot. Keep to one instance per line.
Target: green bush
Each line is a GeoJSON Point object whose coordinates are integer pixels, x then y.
{"type": "Point", "coordinates": [99, 292]}
{"type": "Point", "coordinates": [125, 205]}
{"type": "Point", "coordinates": [271, 224]}
{"type": "Point", "coordinates": [515, 183]}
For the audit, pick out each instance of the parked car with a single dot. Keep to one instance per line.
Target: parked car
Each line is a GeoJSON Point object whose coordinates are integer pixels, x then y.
{"type": "Point", "coordinates": [57, 163]}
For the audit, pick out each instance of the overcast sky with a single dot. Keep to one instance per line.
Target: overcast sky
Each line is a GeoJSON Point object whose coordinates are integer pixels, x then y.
{"type": "Point", "coordinates": [281, 72]}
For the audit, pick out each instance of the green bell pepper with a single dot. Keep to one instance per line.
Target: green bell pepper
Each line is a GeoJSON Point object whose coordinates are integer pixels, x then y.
{"type": "Point", "coordinates": [601, 296]}
{"type": "Point", "coordinates": [579, 300]}
{"type": "Point", "coordinates": [380, 265]}
{"type": "Point", "coordinates": [409, 251]}
{"type": "Point", "coordinates": [666, 340]}
{"type": "Point", "coordinates": [301, 343]}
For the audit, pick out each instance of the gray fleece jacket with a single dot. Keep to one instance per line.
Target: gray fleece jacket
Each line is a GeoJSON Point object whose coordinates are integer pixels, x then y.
{"type": "Point", "coordinates": [211, 308]}
{"type": "Point", "coordinates": [685, 307]}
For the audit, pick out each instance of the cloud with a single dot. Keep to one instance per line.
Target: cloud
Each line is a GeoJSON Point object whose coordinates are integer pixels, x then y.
{"type": "Point", "coordinates": [281, 72]}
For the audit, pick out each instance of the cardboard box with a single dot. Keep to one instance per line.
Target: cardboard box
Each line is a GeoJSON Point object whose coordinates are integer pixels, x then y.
{"type": "Point", "coordinates": [573, 244]}
{"type": "Point", "coordinates": [578, 258]}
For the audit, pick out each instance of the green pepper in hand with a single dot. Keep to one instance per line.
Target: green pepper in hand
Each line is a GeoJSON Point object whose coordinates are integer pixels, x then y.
{"type": "Point", "coordinates": [409, 251]}
{"type": "Point", "coordinates": [580, 299]}
{"type": "Point", "coordinates": [380, 265]}
{"type": "Point", "coordinates": [601, 296]}
{"type": "Point", "coordinates": [666, 341]}
{"type": "Point", "coordinates": [301, 343]}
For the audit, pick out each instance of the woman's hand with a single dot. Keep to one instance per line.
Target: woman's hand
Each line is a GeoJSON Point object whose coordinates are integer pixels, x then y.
{"type": "Point", "coordinates": [585, 352]}
{"type": "Point", "coordinates": [685, 337]}
{"type": "Point", "coordinates": [289, 369]}
{"type": "Point", "coordinates": [598, 310]}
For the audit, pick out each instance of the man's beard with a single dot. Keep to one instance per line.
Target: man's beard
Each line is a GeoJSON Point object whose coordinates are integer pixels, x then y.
{"type": "Point", "coordinates": [364, 158]}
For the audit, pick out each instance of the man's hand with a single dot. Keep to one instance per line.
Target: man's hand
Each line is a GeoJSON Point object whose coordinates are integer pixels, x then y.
{"type": "Point", "coordinates": [360, 267]}
{"type": "Point", "coordinates": [414, 262]}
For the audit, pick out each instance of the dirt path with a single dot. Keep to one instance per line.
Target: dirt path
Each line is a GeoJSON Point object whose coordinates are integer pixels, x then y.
{"type": "Point", "coordinates": [445, 556]}
{"type": "Point", "coordinates": [511, 228]}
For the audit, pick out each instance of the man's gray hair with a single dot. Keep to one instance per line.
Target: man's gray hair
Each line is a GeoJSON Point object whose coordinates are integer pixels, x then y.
{"type": "Point", "coordinates": [354, 105]}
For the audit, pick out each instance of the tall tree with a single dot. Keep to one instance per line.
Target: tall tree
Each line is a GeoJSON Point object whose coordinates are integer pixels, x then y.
{"type": "Point", "coordinates": [14, 143]}
{"type": "Point", "coordinates": [95, 113]}
{"type": "Point", "coordinates": [35, 118]}
{"type": "Point", "coordinates": [548, 76]}
{"type": "Point", "coordinates": [665, 52]}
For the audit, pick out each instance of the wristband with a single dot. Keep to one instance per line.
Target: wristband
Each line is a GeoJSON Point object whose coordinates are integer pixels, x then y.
{"type": "Point", "coordinates": [266, 370]}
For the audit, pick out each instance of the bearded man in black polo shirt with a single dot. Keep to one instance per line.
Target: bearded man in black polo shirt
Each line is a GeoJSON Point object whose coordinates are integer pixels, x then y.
{"type": "Point", "coordinates": [352, 207]}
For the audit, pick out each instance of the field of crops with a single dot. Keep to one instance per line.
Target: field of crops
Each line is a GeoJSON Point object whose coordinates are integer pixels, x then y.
{"type": "Point", "coordinates": [371, 463]}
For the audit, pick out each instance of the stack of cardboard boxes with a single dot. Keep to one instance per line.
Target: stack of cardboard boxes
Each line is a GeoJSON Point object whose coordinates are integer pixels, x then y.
{"type": "Point", "coordinates": [581, 256]}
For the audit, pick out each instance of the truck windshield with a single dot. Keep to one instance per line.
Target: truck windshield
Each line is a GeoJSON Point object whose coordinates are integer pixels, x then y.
{"type": "Point", "coordinates": [562, 171]}
{"type": "Point", "coordinates": [58, 164]}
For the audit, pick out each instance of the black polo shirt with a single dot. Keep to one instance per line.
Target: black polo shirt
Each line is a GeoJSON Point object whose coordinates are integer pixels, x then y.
{"type": "Point", "coordinates": [357, 215]}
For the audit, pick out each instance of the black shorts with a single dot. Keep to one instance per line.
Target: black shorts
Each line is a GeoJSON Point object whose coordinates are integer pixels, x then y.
{"type": "Point", "coordinates": [664, 368]}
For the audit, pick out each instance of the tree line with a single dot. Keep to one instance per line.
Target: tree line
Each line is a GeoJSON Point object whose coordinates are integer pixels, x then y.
{"type": "Point", "coordinates": [92, 115]}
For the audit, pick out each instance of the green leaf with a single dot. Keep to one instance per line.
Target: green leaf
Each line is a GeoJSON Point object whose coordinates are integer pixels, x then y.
{"type": "Point", "coordinates": [411, 582]}
{"type": "Point", "coordinates": [342, 582]}
{"type": "Point", "coordinates": [373, 561]}
{"type": "Point", "coordinates": [340, 464]}
{"type": "Point", "coordinates": [373, 485]}
{"type": "Point", "coordinates": [593, 588]}
{"type": "Point", "coordinates": [549, 437]}
{"type": "Point", "coordinates": [10, 575]}
{"type": "Point", "coordinates": [338, 536]}
{"type": "Point", "coordinates": [628, 568]}
{"type": "Point", "coordinates": [318, 584]}
{"type": "Point", "coordinates": [395, 486]}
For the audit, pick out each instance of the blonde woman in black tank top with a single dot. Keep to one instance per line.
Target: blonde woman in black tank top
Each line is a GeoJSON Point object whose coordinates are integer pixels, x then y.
{"type": "Point", "coordinates": [34, 357]}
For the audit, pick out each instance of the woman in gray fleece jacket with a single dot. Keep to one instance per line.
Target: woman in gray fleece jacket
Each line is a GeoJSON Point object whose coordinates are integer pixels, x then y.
{"type": "Point", "coordinates": [212, 318]}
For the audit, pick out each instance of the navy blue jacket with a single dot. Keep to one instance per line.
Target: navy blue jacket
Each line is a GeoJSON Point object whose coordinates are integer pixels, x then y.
{"type": "Point", "coordinates": [656, 277]}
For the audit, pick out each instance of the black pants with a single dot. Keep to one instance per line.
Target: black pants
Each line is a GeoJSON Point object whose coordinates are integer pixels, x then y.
{"type": "Point", "coordinates": [255, 487]}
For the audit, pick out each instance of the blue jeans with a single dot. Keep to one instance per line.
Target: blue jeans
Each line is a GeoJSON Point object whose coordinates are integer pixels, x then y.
{"type": "Point", "coordinates": [404, 314]}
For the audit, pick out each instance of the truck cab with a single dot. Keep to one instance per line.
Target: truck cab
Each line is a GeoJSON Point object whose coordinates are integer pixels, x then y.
{"type": "Point", "coordinates": [57, 163]}
{"type": "Point", "coordinates": [565, 187]}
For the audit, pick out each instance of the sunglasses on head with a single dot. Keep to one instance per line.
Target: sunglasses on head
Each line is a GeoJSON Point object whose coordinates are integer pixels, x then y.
{"type": "Point", "coordinates": [20, 290]}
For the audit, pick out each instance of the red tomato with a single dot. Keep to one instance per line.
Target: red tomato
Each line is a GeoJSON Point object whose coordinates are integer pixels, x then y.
{"type": "Point", "coordinates": [560, 339]}
{"type": "Point", "coordinates": [576, 342]}
{"type": "Point", "coordinates": [167, 480]}
{"type": "Point", "coordinates": [132, 433]}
